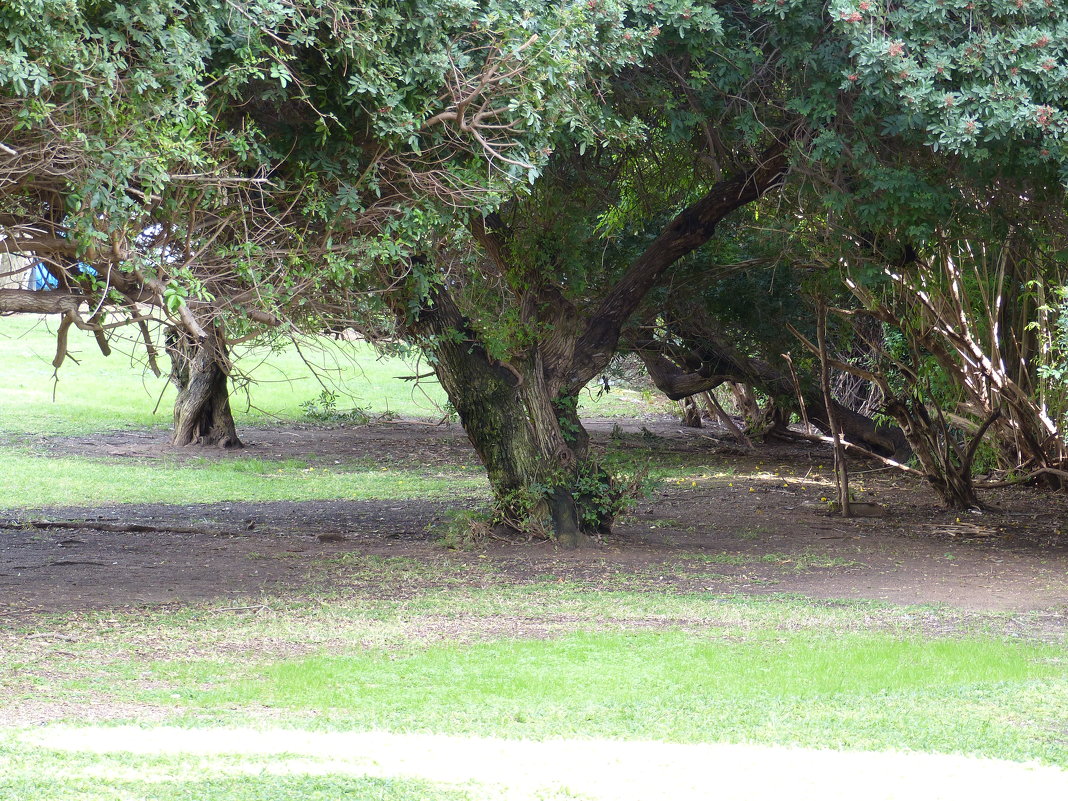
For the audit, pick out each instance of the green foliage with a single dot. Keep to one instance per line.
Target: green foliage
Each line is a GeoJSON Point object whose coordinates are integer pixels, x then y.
{"type": "Point", "coordinates": [967, 74]}
{"type": "Point", "coordinates": [600, 496]}
{"type": "Point", "coordinates": [463, 529]}
{"type": "Point", "coordinates": [1051, 328]}
{"type": "Point", "coordinates": [324, 408]}
{"type": "Point", "coordinates": [603, 496]}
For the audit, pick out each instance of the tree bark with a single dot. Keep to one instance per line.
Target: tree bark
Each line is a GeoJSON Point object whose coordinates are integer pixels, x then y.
{"type": "Point", "coordinates": [841, 467]}
{"type": "Point", "coordinates": [511, 423]}
{"type": "Point", "coordinates": [947, 470]}
{"type": "Point", "coordinates": [200, 370]}
{"type": "Point", "coordinates": [28, 301]}
{"type": "Point", "coordinates": [745, 400]}
{"type": "Point", "coordinates": [691, 413]}
{"type": "Point", "coordinates": [713, 362]}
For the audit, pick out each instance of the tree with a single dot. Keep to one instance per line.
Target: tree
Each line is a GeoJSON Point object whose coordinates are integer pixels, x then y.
{"type": "Point", "coordinates": [527, 214]}
{"type": "Point", "coordinates": [442, 119]}
{"type": "Point", "coordinates": [116, 179]}
{"type": "Point", "coordinates": [512, 182]}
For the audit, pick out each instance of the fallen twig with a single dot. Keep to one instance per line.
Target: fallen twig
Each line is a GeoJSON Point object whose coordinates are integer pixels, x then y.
{"type": "Point", "coordinates": [242, 608]}
{"type": "Point", "coordinates": [1009, 482]}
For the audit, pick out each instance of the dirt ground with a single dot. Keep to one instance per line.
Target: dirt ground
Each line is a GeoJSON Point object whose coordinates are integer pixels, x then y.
{"type": "Point", "coordinates": [753, 524]}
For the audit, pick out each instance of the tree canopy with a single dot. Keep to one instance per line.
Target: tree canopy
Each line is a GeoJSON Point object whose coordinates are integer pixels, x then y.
{"type": "Point", "coordinates": [522, 191]}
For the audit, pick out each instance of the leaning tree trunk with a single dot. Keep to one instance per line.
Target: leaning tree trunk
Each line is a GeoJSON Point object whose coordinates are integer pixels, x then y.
{"type": "Point", "coordinates": [512, 423]}
{"type": "Point", "coordinates": [712, 361]}
{"type": "Point", "coordinates": [520, 415]}
{"type": "Point", "coordinates": [691, 413]}
{"type": "Point", "coordinates": [946, 467]}
{"type": "Point", "coordinates": [200, 370]}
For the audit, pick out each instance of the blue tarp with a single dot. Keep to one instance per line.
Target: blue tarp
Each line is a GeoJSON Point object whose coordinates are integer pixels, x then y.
{"type": "Point", "coordinates": [40, 278]}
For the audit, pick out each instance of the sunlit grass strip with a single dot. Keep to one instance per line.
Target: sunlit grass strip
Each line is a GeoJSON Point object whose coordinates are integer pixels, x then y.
{"type": "Point", "coordinates": [860, 690]}
{"type": "Point", "coordinates": [495, 769]}
{"type": "Point", "coordinates": [98, 394]}
{"type": "Point", "coordinates": [43, 774]}
{"type": "Point", "coordinates": [31, 481]}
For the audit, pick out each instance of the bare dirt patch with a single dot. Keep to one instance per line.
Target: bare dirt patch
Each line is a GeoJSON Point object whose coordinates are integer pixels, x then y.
{"type": "Point", "coordinates": [730, 522]}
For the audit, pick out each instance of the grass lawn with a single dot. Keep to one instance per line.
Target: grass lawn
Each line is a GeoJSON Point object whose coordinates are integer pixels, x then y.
{"type": "Point", "coordinates": [750, 671]}
{"type": "Point", "coordinates": [33, 481]}
{"type": "Point", "coordinates": [94, 393]}
{"type": "Point", "coordinates": [442, 676]}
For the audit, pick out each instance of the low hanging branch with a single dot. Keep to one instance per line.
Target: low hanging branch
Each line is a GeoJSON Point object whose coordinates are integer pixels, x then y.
{"type": "Point", "coordinates": [26, 301]}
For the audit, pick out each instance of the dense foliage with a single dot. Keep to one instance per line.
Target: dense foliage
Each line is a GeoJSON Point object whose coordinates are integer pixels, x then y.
{"type": "Point", "coordinates": [520, 190]}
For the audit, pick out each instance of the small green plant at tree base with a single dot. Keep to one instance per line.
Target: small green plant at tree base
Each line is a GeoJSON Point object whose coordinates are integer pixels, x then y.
{"type": "Point", "coordinates": [567, 417]}
{"type": "Point", "coordinates": [450, 413]}
{"type": "Point", "coordinates": [463, 529]}
{"type": "Point", "coordinates": [324, 408]}
{"type": "Point", "coordinates": [603, 495]}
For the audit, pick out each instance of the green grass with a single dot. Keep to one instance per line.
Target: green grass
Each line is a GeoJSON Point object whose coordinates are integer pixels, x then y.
{"type": "Point", "coordinates": [34, 481]}
{"type": "Point", "coordinates": [861, 690]}
{"type": "Point", "coordinates": [604, 665]}
{"type": "Point", "coordinates": [99, 393]}
{"type": "Point", "coordinates": [43, 774]}
{"type": "Point", "coordinates": [94, 393]}
{"type": "Point", "coordinates": [867, 691]}
{"type": "Point", "coordinates": [788, 671]}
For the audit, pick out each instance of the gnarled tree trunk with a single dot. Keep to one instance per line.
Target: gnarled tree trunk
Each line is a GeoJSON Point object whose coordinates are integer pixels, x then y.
{"type": "Point", "coordinates": [691, 413]}
{"type": "Point", "coordinates": [511, 423]}
{"type": "Point", "coordinates": [520, 414]}
{"type": "Point", "coordinates": [710, 361]}
{"type": "Point", "coordinates": [200, 369]}
{"type": "Point", "coordinates": [946, 466]}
